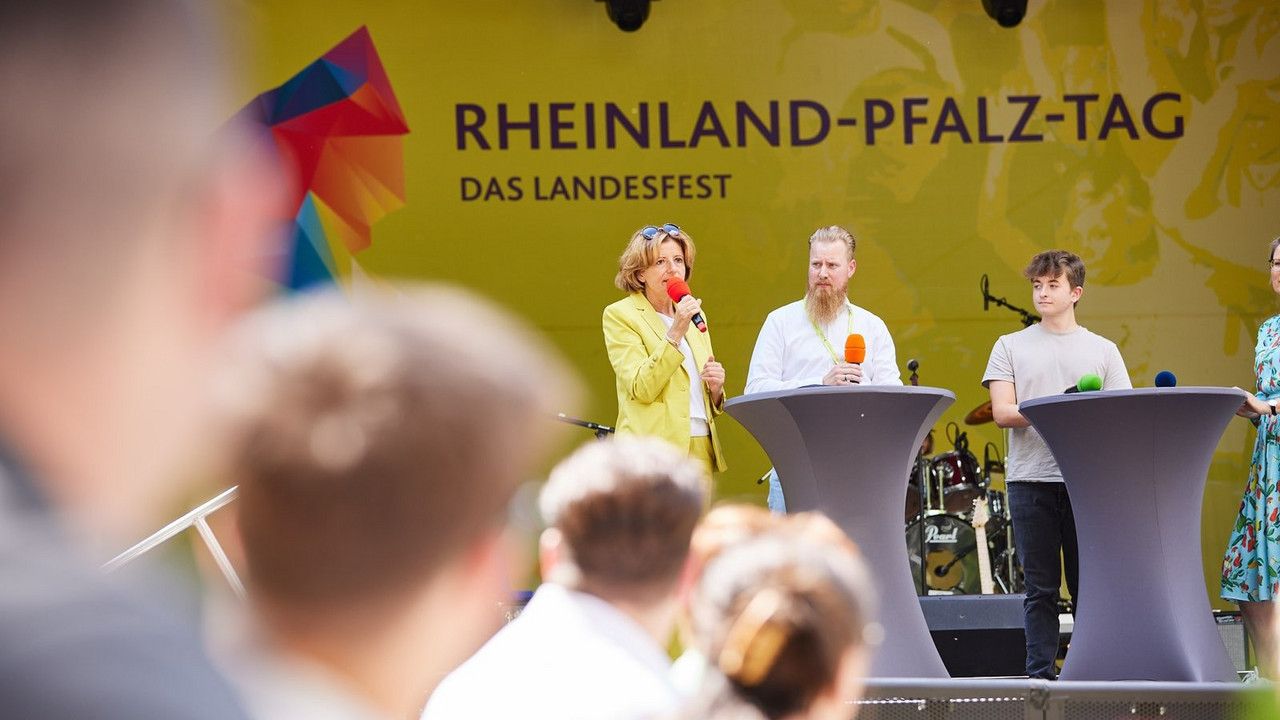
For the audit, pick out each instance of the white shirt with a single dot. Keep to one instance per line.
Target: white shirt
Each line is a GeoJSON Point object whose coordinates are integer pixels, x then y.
{"type": "Point", "coordinates": [789, 353]}
{"type": "Point", "coordinates": [698, 426]}
{"type": "Point", "coordinates": [568, 656]}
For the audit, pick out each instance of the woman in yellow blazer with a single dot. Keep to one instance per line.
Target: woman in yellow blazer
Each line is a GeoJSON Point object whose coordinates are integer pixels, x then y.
{"type": "Point", "coordinates": [657, 354]}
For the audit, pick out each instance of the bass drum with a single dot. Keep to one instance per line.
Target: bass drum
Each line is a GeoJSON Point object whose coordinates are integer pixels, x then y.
{"type": "Point", "coordinates": [945, 538]}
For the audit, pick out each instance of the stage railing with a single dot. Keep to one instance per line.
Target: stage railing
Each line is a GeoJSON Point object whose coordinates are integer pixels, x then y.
{"type": "Point", "coordinates": [1027, 699]}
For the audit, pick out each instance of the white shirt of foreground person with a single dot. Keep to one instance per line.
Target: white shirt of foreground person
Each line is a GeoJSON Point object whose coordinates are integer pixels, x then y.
{"type": "Point", "coordinates": [568, 656]}
{"type": "Point", "coordinates": [790, 354]}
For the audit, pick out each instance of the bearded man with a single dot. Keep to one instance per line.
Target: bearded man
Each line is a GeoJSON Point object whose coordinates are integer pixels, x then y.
{"type": "Point", "coordinates": [803, 343]}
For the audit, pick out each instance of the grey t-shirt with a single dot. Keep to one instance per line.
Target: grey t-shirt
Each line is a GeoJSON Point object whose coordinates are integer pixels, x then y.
{"type": "Point", "coordinates": [1039, 363]}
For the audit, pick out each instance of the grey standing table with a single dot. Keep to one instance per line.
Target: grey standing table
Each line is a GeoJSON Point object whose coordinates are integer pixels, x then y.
{"type": "Point", "coordinates": [847, 451]}
{"type": "Point", "coordinates": [1135, 463]}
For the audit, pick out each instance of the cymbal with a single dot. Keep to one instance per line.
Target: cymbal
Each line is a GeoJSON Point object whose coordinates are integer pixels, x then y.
{"type": "Point", "coordinates": [980, 415]}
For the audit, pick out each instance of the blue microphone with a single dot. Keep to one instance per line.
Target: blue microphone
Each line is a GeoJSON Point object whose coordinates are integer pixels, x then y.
{"type": "Point", "coordinates": [1164, 378]}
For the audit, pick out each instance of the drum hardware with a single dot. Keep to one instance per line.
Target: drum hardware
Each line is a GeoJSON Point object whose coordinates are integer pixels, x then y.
{"type": "Point", "coordinates": [914, 484]}
{"type": "Point", "coordinates": [980, 415]}
{"type": "Point", "coordinates": [946, 483]}
{"type": "Point", "coordinates": [921, 478]}
{"type": "Point", "coordinates": [1006, 572]}
{"type": "Point", "coordinates": [991, 461]}
{"type": "Point", "coordinates": [957, 480]}
{"type": "Point", "coordinates": [957, 477]}
{"type": "Point", "coordinates": [946, 555]}
{"type": "Point", "coordinates": [953, 552]}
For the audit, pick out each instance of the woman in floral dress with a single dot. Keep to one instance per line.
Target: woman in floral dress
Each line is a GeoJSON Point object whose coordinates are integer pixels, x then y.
{"type": "Point", "coordinates": [1251, 567]}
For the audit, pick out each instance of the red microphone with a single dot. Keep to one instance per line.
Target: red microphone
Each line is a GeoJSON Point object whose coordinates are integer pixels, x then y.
{"type": "Point", "coordinates": [676, 290]}
{"type": "Point", "coordinates": [855, 349]}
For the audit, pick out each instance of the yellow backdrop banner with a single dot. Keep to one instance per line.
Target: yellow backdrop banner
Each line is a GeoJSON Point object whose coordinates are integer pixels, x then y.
{"type": "Point", "coordinates": [1142, 135]}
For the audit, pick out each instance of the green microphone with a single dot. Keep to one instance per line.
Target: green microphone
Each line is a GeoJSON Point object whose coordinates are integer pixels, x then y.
{"type": "Point", "coordinates": [1086, 383]}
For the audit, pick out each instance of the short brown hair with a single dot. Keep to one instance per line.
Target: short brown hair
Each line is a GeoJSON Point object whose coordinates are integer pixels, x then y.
{"type": "Point", "coordinates": [374, 441]}
{"type": "Point", "coordinates": [626, 509]}
{"type": "Point", "coordinates": [1053, 263]}
{"type": "Point", "coordinates": [834, 233]}
{"type": "Point", "coordinates": [1271, 251]}
{"type": "Point", "coordinates": [642, 252]}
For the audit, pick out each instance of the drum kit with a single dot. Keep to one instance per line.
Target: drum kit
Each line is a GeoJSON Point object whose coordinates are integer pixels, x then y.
{"type": "Point", "coordinates": [959, 536]}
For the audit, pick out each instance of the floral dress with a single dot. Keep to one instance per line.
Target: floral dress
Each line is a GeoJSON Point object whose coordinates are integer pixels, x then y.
{"type": "Point", "coordinates": [1251, 567]}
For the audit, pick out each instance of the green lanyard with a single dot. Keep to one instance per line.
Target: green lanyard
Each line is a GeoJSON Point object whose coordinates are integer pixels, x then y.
{"type": "Point", "coordinates": [823, 336]}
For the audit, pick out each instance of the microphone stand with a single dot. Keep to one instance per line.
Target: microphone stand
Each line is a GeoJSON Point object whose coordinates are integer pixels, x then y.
{"type": "Point", "coordinates": [601, 431]}
{"type": "Point", "coordinates": [1028, 318]}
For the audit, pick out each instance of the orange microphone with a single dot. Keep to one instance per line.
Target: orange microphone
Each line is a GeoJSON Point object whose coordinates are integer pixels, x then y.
{"type": "Point", "coordinates": [855, 349]}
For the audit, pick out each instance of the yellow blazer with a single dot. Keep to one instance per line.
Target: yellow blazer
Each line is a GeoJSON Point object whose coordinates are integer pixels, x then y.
{"type": "Point", "coordinates": [653, 387]}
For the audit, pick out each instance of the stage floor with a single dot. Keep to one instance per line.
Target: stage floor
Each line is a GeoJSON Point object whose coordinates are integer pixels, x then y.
{"type": "Point", "coordinates": [1026, 699]}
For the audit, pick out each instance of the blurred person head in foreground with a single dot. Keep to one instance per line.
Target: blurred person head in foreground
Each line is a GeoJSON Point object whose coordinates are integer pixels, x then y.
{"type": "Point", "coordinates": [722, 528]}
{"type": "Point", "coordinates": [591, 642]}
{"type": "Point", "coordinates": [133, 228]}
{"type": "Point", "coordinates": [377, 444]}
{"type": "Point", "coordinates": [132, 231]}
{"type": "Point", "coordinates": [785, 621]}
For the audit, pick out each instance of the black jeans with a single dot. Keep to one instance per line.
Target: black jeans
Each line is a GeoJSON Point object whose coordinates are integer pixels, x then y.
{"type": "Point", "coordinates": [1044, 533]}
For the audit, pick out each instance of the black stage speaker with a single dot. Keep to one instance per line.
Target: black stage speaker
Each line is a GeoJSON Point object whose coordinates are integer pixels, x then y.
{"type": "Point", "coordinates": [978, 635]}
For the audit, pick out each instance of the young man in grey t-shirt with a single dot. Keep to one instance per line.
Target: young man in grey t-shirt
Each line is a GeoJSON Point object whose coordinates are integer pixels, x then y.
{"type": "Point", "coordinates": [1040, 360]}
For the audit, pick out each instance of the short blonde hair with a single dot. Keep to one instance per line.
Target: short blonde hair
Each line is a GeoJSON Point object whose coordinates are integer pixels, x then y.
{"type": "Point", "coordinates": [834, 233]}
{"type": "Point", "coordinates": [642, 252]}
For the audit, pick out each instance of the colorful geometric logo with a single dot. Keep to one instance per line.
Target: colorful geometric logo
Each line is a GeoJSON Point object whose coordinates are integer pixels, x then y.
{"type": "Point", "coordinates": [336, 127]}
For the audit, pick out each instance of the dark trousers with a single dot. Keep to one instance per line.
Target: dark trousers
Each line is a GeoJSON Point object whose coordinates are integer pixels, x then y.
{"type": "Point", "coordinates": [1044, 532]}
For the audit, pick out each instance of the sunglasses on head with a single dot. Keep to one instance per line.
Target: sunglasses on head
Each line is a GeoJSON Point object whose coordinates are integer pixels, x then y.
{"type": "Point", "coordinates": [650, 232]}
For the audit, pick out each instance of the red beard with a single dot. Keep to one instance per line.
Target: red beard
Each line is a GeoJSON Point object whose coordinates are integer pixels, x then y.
{"type": "Point", "coordinates": [823, 303]}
